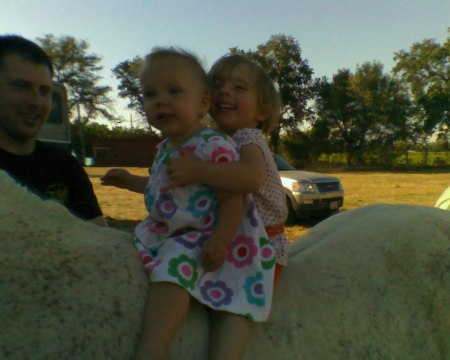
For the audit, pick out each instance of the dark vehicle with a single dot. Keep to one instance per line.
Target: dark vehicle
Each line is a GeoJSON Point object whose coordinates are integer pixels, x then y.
{"type": "Point", "coordinates": [309, 193]}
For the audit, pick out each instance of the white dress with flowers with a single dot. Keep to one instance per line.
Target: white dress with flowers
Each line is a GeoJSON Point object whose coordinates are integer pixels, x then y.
{"type": "Point", "coordinates": [170, 239]}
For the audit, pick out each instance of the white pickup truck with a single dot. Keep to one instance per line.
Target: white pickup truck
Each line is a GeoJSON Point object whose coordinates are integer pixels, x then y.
{"type": "Point", "coordinates": [308, 193]}
{"type": "Point", "coordinates": [57, 128]}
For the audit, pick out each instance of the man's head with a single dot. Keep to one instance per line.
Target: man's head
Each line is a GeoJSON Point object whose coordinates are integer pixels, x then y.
{"type": "Point", "coordinates": [25, 93]}
{"type": "Point", "coordinates": [26, 49]}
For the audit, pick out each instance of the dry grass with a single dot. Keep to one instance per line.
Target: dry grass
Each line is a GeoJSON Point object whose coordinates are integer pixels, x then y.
{"type": "Point", "coordinates": [125, 209]}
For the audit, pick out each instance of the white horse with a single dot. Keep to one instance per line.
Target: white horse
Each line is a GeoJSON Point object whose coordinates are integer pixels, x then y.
{"type": "Point", "coordinates": [372, 282]}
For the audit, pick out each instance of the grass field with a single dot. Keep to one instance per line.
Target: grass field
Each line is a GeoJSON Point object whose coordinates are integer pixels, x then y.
{"type": "Point", "coordinates": [124, 208]}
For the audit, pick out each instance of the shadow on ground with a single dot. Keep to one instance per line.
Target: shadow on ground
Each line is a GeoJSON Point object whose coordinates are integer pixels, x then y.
{"type": "Point", "coordinates": [127, 225]}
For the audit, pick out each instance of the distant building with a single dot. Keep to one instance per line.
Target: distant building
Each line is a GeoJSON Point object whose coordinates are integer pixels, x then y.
{"type": "Point", "coordinates": [137, 152]}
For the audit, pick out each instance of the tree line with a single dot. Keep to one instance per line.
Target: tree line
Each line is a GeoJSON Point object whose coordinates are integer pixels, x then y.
{"type": "Point", "coordinates": [369, 115]}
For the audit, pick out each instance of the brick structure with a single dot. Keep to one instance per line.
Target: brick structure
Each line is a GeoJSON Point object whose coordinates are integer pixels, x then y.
{"type": "Point", "coordinates": [123, 151]}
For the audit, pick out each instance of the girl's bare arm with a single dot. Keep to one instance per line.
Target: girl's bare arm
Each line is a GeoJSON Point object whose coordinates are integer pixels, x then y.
{"type": "Point", "coordinates": [243, 176]}
{"type": "Point", "coordinates": [121, 178]}
{"type": "Point", "coordinates": [230, 214]}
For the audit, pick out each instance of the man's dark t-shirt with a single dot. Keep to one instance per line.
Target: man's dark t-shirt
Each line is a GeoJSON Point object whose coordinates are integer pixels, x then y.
{"type": "Point", "coordinates": [52, 173]}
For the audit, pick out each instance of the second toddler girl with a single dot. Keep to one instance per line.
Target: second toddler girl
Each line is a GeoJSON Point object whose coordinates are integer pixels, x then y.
{"type": "Point", "coordinates": [245, 105]}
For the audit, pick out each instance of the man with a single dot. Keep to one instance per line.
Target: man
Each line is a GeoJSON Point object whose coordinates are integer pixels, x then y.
{"type": "Point", "coordinates": [25, 103]}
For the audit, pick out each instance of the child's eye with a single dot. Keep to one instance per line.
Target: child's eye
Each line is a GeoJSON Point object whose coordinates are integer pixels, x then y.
{"type": "Point", "coordinates": [20, 84]}
{"type": "Point", "coordinates": [174, 90]}
{"type": "Point", "coordinates": [45, 91]}
{"type": "Point", "coordinates": [240, 87]}
{"type": "Point", "coordinates": [148, 94]}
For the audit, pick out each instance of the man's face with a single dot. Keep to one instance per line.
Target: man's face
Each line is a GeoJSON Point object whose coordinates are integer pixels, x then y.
{"type": "Point", "coordinates": [25, 98]}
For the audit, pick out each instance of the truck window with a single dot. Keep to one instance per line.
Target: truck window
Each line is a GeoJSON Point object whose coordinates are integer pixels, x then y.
{"type": "Point", "coordinates": [56, 116]}
{"type": "Point", "coordinates": [57, 128]}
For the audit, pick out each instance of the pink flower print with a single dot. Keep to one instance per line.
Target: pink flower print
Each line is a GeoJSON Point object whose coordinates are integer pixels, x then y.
{"type": "Point", "coordinates": [165, 205]}
{"type": "Point", "coordinates": [242, 251]}
{"type": "Point", "coordinates": [146, 258]}
{"type": "Point", "coordinates": [223, 154]}
{"type": "Point", "coordinates": [156, 227]}
{"type": "Point", "coordinates": [149, 262]}
{"type": "Point", "coordinates": [254, 289]}
{"type": "Point", "coordinates": [191, 239]}
{"type": "Point", "coordinates": [216, 293]}
{"type": "Point", "coordinates": [267, 253]}
{"type": "Point", "coordinates": [184, 269]}
{"type": "Point", "coordinates": [208, 222]}
{"type": "Point", "coordinates": [151, 265]}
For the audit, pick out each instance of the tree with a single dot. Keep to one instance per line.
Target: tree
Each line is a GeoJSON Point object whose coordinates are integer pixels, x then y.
{"type": "Point", "coordinates": [127, 72]}
{"type": "Point", "coordinates": [78, 71]}
{"type": "Point", "coordinates": [281, 58]}
{"type": "Point", "coordinates": [362, 112]}
{"type": "Point", "coordinates": [425, 68]}
{"type": "Point", "coordinates": [103, 131]}
{"type": "Point", "coordinates": [384, 108]}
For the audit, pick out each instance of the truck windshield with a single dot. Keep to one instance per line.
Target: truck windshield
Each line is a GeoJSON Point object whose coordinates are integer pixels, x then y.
{"type": "Point", "coordinates": [282, 164]}
{"type": "Point", "coordinates": [56, 115]}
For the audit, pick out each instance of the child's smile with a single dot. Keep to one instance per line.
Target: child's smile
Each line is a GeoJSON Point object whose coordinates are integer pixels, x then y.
{"type": "Point", "coordinates": [235, 103]}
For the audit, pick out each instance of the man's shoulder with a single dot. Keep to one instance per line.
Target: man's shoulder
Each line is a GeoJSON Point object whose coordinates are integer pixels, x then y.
{"type": "Point", "coordinates": [45, 150]}
{"type": "Point", "coordinates": [46, 147]}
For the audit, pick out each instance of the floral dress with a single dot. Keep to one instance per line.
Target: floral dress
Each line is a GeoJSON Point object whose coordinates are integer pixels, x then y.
{"type": "Point", "coordinates": [170, 239]}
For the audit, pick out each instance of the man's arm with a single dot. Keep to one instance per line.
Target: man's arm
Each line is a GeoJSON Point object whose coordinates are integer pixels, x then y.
{"type": "Point", "coordinates": [243, 176]}
{"type": "Point", "coordinates": [82, 199]}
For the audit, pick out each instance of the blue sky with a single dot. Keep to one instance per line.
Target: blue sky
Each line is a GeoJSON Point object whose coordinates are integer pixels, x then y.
{"type": "Point", "coordinates": [333, 34]}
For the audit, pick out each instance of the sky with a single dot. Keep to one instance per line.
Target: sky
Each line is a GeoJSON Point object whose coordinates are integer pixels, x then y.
{"type": "Point", "coordinates": [332, 34]}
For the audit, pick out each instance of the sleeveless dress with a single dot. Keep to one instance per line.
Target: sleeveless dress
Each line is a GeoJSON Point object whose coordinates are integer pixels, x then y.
{"type": "Point", "coordinates": [170, 239]}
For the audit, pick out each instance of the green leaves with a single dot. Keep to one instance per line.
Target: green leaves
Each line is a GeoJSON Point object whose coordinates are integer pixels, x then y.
{"type": "Point", "coordinates": [281, 58]}
{"type": "Point", "coordinates": [425, 69]}
{"type": "Point", "coordinates": [78, 71]}
{"type": "Point", "coordinates": [363, 111]}
{"type": "Point", "coordinates": [127, 72]}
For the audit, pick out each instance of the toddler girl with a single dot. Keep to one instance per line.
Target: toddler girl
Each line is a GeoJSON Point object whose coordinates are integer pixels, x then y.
{"type": "Point", "coordinates": [196, 242]}
{"type": "Point", "coordinates": [245, 105]}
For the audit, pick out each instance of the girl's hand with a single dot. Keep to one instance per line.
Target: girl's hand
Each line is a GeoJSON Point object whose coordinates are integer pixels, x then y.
{"type": "Point", "coordinates": [214, 253]}
{"type": "Point", "coordinates": [183, 170]}
{"type": "Point", "coordinates": [116, 177]}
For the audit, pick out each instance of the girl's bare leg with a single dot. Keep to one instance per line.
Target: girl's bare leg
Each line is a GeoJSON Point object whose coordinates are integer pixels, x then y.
{"type": "Point", "coordinates": [229, 337]}
{"type": "Point", "coordinates": [166, 309]}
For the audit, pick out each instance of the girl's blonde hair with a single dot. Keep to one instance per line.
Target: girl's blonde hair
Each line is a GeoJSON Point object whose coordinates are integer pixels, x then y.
{"type": "Point", "coordinates": [268, 97]}
{"type": "Point", "coordinates": [173, 52]}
